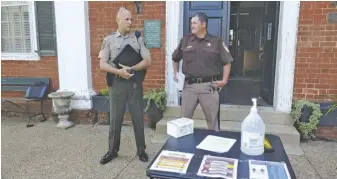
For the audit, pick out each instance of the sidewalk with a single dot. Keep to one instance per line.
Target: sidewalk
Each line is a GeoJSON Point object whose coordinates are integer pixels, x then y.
{"type": "Point", "coordinates": [45, 151]}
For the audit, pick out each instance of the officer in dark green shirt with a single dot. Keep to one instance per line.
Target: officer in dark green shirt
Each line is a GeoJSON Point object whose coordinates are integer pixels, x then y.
{"type": "Point", "coordinates": [123, 88]}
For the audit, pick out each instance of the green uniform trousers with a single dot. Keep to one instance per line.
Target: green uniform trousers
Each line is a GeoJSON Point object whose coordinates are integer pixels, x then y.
{"type": "Point", "coordinates": [126, 91]}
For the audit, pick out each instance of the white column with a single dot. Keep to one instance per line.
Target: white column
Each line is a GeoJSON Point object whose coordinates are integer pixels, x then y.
{"type": "Point", "coordinates": [286, 53]}
{"type": "Point", "coordinates": [173, 35]}
{"type": "Point", "coordinates": [73, 51]}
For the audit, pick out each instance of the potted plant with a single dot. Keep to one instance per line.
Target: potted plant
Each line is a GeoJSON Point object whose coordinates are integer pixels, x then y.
{"type": "Point", "coordinates": [155, 105]}
{"type": "Point", "coordinates": [100, 102]}
{"type": "Point", "coordinates": [329, 109]}
{"type": "Point", "coordinates": [306, 123]}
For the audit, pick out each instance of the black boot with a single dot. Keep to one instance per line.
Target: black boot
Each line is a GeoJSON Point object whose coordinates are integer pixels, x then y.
{"type": "Point", "coordinates": [108, 157]}
{"type": "Point", "coordinates": [143, 156]}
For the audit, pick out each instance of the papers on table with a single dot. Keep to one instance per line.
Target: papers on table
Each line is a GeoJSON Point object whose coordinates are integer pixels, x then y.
{"type": "Point", "coordinates": [216, 144]}
{"type": "Point", "coordinates": [216, 166]}
{"type": "Point", "coordinates": [222, 167]}
{"type": "Point", "coordinates": [268, 170]}
{"type": "Point", "coordinates": [171, 161]}
{"type": "Point", "coordinates": [180, 82]}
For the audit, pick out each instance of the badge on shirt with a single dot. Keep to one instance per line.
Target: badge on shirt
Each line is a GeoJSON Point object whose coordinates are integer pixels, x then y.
{"type": "Point", "coordinates": [224, 46]}
{"type": "Point", "coordinates": [209, 44]}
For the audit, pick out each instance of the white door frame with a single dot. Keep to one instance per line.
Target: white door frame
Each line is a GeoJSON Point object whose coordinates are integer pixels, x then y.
{"type": "Point", "coordinates": [285, 55]}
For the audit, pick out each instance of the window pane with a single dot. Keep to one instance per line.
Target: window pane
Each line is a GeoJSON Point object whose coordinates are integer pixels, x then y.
{"type": "Point", "coordinates": [15, 31]}
{"type": "Point", "coordinates": [5, 45]}
{"type": "Point", "coordinates": [5, 31]}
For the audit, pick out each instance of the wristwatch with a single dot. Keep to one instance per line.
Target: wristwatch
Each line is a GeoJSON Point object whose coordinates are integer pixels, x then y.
{"type": "Point", "coordinates": [131, 70]}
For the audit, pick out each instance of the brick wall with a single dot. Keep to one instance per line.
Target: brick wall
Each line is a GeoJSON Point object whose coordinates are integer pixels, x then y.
{"type": "Point", "coordinates": [102, 18]}
{"type": "Point", "coordinates": [316, 58]}
{"type": "Point", "coordinates": [45, 67]}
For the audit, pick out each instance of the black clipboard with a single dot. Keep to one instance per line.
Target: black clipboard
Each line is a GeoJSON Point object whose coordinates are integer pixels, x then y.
{"type": "Point", "coordinates": [128, 57]}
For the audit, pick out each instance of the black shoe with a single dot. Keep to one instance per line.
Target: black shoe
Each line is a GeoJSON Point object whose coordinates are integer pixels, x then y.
{"type": "Point", "coordinates": [108, 157]}
{"type": "Point", "coordinates": [143, 156]}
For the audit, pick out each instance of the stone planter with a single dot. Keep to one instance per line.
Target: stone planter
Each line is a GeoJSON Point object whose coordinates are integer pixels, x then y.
{"type": "Point", "coordinates": [61, 106]}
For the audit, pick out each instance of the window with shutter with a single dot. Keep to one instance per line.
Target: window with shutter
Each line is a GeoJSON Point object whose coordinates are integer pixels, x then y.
{"type": "Point", "coordinates": [27, 30]}
{"type": "Point", "coordinates": [46, 28]}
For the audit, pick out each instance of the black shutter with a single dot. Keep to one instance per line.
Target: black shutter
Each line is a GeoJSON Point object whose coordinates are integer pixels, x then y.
{"type": "Point", "coordinates": [45, 26]}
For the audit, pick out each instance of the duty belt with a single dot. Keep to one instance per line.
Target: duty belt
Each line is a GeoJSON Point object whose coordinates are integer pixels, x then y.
{"type": "Point", "coordinates": [191, 80]}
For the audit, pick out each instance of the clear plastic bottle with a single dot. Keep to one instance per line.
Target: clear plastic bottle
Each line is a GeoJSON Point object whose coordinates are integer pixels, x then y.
{"type": "Point", "coordinates": [252, 133]}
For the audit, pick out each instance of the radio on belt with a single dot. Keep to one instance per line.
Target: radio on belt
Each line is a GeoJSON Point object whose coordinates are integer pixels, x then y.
{"type": "Point", "coordinates": [180, 127]}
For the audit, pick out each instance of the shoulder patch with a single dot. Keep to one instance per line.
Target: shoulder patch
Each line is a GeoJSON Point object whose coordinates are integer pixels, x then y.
{"type": "Point", "coordinates": [103, 44]}
{"type": "Point", "coordinates": [224, 46]}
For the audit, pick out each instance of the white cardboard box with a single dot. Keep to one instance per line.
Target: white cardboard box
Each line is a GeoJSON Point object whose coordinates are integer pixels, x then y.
{"type": "Point", "coordinates": [180, 127]}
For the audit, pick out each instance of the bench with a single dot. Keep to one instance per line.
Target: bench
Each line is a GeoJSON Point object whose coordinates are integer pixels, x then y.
{"type": "Point", "coordinates": [35, 89]}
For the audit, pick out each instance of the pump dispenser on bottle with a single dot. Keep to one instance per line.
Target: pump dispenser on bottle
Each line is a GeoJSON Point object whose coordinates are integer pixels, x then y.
{"type": "Point", "coordinates": [252, 133]}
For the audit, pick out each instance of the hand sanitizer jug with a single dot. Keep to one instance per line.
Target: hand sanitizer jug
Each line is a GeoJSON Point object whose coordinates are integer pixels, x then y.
{"type": "Point", "coordinates": [252, 133]}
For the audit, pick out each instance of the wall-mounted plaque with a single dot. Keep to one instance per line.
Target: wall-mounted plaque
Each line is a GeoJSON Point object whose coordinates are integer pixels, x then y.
{"type": "Point", "coordinates": [152, 36]}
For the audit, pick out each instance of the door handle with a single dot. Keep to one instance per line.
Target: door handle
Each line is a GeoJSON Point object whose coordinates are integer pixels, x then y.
{"type": "Point", "coordinates": [261, 56]}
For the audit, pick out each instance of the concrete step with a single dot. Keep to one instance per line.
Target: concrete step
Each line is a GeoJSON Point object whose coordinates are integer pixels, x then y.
{"type": "Point", "coordinates": [237, 113]}
{"type": "Point", "coordinates": [289, 136]}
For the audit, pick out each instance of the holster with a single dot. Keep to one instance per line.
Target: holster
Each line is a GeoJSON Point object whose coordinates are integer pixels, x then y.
{"type": "Point", "coordinates": [109, 78]}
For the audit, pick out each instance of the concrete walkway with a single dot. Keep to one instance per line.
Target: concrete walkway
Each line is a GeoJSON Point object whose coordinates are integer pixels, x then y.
{"type": "Point", "coordinates": [45, 151]}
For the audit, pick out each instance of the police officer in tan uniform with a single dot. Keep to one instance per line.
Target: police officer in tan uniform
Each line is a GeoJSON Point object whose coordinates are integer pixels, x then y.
{"type": "Point", "coordinates": [204, 56]}
{"type": "Point", "coordinates": [124, 89]}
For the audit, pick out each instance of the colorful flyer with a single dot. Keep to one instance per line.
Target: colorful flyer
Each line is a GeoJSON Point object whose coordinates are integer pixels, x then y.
{"type": "Point", "coordinates": [171, 161]}
{"type": "Point", "coordinates": [219, 167]}
{"type": "Point", "coordinates": [268, 170]}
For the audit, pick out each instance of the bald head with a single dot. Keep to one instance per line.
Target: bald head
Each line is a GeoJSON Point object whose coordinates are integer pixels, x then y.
{"type": "Point", "coordinates": [124, 20]}
{"type": "Point", "coordinates": [121, 11]}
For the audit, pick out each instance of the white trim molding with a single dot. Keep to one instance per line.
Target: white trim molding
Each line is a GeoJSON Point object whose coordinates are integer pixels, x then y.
{"type": "Point", "coordinates": [82, 98]}
{"type": "Point", "coordinates": [33, 55]}
{"type": "Point", "coordinates": [285, 58]}
{"type": "Point", "coordinates": [74, 61]}
{"type": "Point", "coordinates": [20, 56]}
{"type": "Point", "coordinates": [174, 28]}
{"type": "Point", "coordinates": [285, 55]}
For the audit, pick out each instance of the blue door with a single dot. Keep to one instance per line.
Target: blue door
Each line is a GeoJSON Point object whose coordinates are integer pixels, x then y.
{"type": "Point", "coordinates": [268, 55]}
{"type": "Point", "coordinates": [218, 13]}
